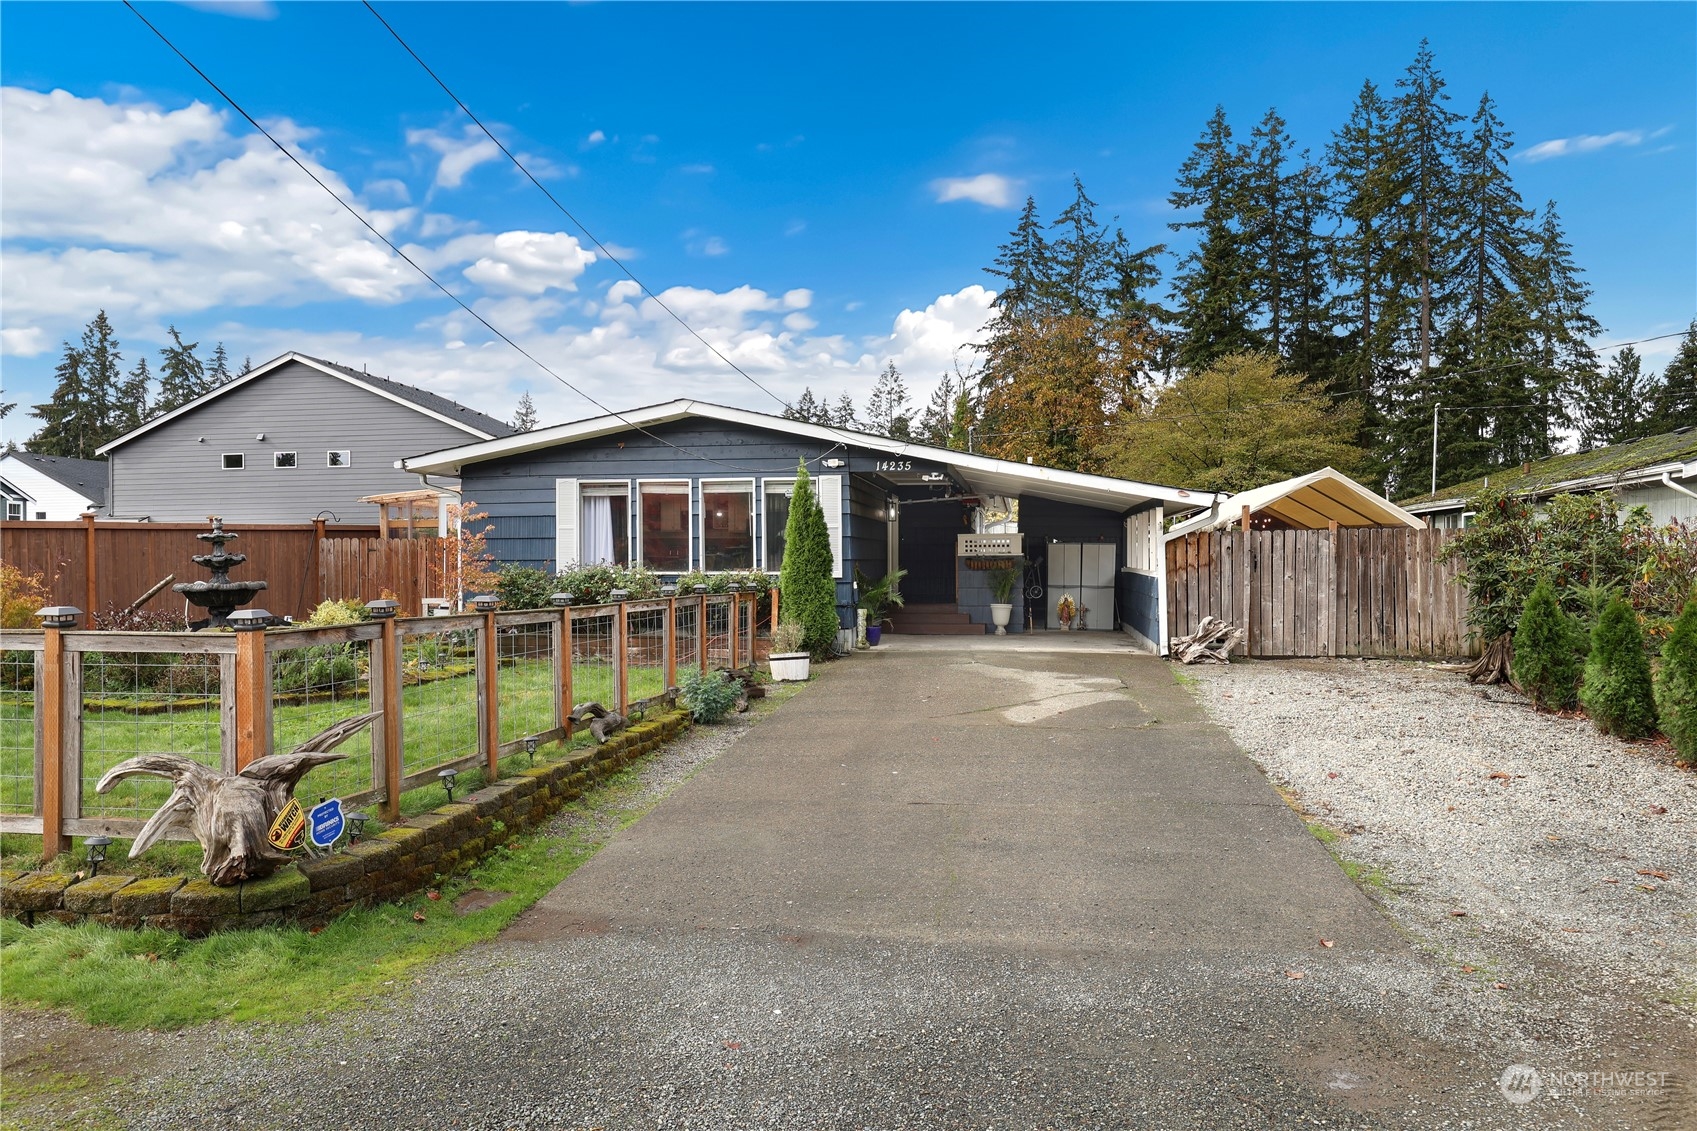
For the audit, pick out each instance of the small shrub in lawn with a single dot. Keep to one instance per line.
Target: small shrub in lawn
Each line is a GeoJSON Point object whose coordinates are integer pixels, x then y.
{"type": "Point", "coordinates": [1548, 651]}
{"type": "Point", "coordinates": [1617, 692]}
{"type": "Point", "coordinates": [708, 695]}
{"type": "Point", "coordinates": [1676, 686]}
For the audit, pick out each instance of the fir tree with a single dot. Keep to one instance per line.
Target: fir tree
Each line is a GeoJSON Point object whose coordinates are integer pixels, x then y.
{"type": "Point", "coordinates": [247, 367]}
{"type": "Point", "coordinates": [1676, 686]}
{"type": "Point", "coordinates": [218, 369]}
{"type": "Point", "coordinates": [935, 422]}
{"type": "Point", "coordinates": [1548, 652]}
{"type": "Point", "coordinates": [524, 420]}
{"type": "Point", "coordinates": [887, 409]}
{"type": "Point", "coordinates": [182, 377]}
{"type": "Point", "coordinates": [68, 423]}
{"type": "Point", "coordinates": [1423, 219]}
{"type": "Point", "coordinates": [1212, 287]}
{"type": "Point", "coordinates": [805, 408]}
{"type": "Point", "coordinates": [131, 409]}
{"type": "Point", "coordinates": [1081, 260]}
{"type": "Point", "coordinates": [1608, 404]}
{"type": "Point", "coordinates": [807, 580]}
{"type": "Point", "coordinates": [1024, 265]}
{"type": "Point", "coordinates": [1562, 326]}
{"type": "Point", "coordinates": [1268, 224]}
{"type": "Point", "coordinates": [1617, 692]}
{"type": "Point", "coordinates": [842, 415]}
{"type": "Point", "coordinates": [1674, 401]}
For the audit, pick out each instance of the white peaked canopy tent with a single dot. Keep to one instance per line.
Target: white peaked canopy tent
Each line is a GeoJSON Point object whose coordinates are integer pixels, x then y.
{"type": "Point", "coordinates": [1308, 502]}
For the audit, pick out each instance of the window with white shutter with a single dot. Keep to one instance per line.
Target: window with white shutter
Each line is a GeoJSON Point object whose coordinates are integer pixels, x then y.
{"type": "Point", "coordinates": [565, 523]}
{"type": "Point", "coordinates": [830, 488]}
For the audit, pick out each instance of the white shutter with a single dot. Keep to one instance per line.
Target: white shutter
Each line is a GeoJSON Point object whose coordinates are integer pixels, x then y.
{"type": "Point", "coordinates": [831, 502]}
{"type": "Point", "coordinates": [565, 523]}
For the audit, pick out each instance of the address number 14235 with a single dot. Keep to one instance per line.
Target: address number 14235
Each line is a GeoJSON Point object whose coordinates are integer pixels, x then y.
{"type": "Point", "coordinates": [895, 465]}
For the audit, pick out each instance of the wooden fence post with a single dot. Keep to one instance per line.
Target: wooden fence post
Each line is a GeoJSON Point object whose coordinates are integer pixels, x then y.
{"type": "Point", "coordinates": [701, 634]}
{"type": "Point", "coordinates": [252, 697]}
{"type": "Point", "coordinates": [60, 704]}
{"type": "Point", "coordinates": [621, 652]}
{"type": "Point", "coordinates": [671, 642]}
{"type": "Point", "coordinates": [774, 608]}
{"type": "Point", "coordinates": [566, 672]}
{"type": "Point", "coordinates": [92, 567]}
{"type": "Point", "coordinates": [489, 709]}
{"type": "Point", "coordinates": [386, 740]}
{"type": "Point", "coordinates": [736, 627]}
{"type": "Point", "coordinates": [315, 566]}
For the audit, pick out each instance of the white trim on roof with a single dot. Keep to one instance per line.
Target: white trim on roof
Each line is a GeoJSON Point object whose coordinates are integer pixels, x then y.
{"type": "Point", "coordinates": [1127, 492]}
{"type": "Point", "coordinates": [260, 371]}
{"type": "Point", "coordinates": [1649, 474]}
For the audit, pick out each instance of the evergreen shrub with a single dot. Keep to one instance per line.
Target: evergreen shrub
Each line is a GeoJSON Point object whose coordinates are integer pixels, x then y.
{"type": "Point", "coordinates": [708, 695]}
{"type": "Point", "coordinates": [1676, 686]}
{"type": "Point", "coordinates": [807, 585]}
{"type": "Point", "coordinates": [1548, 652]}
{"type": "Point", "coordinates": [1617, 693]}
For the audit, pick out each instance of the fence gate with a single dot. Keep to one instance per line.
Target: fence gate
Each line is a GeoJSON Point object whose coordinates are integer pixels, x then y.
{"type": "Point", "coordinates": [1377, 591]}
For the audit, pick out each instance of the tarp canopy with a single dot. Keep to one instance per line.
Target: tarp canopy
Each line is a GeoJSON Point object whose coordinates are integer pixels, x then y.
{"type": "Point", "coordinates": [1308, 502]}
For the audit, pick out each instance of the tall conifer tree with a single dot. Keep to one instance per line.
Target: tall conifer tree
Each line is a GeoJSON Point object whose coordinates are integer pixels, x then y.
{"type": "Point", "coordinates": [182, 377]}
{"type": "Point", "coordinates": [1212, 288]}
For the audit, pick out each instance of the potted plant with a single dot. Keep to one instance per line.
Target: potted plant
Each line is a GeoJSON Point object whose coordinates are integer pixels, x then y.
{"type": "Point", "coordinates": [876, 597]}
{"type": "Point", "coordinates": [789, 661]}
{"type": "Point", "coordinates": [1066, 608]}
{"type": "Point", "coordinates": [1002, 580]}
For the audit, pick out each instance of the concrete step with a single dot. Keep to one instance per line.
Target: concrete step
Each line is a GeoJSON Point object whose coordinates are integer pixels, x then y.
{"type": "Point", "coordinates": [932, 620]}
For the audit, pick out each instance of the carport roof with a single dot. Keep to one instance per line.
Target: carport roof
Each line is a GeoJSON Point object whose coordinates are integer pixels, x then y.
{"type": "Point", "coordinates": [983, 474]}
{"type": "Point", "coordinates": [1308, 502]}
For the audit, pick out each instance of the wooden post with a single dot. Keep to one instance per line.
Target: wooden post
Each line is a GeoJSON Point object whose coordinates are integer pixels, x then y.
{"type": "Point", "coordinates": [566, 672]}
{"type": "Point", "coordinates": [386, 739]}
{"type": "Point", "coordinates": [672, 642]}
{"type": "Point", "coordinates": [253, 698]}
{"type": "Point", "coordinates": [60, 707]}
{"type": "Point", "coordinates": [315, 568]}
{"type": "Point", "coordinates": [736, 625]}
{"type": "Point", "coordinates": [93, 567]}
{"type": "Point", "coordinates": [774, 608]}
{"type": "Point", "coordinates": [701, 636]}
{"type": "Point", "coordinates": [489, 710]}
{"type": "Point", "coordinates": [1245, 518]}
{"type": "Point", "coordinates": [621, 654]}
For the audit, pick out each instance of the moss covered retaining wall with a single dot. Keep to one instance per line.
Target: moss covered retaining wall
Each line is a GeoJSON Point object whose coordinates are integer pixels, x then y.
{"type": "Point", "coordinates": [379, 869]}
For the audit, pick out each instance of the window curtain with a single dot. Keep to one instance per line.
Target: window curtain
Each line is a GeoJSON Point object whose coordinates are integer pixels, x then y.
{"type": "Point", "coordinates": [597, 519]}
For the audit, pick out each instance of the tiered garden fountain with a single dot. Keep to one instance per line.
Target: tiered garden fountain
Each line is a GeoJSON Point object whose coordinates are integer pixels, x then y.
{"type": "Point", "coordinates": [219, 597]}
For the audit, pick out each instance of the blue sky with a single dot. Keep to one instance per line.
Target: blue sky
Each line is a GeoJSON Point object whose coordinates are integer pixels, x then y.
{"type": "Point", "coordinates": [817, 187]}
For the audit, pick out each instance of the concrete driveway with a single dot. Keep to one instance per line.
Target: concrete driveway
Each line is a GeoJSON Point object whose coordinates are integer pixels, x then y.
{"type": "Point", "coordinates": [983, 887]}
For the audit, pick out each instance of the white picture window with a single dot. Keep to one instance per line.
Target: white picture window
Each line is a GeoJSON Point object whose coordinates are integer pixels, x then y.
{"type": "Point", "coordinates": [342, 458]}
{"type": "Point", "coordinates": [727, 524]}
{"type": "Point", "coordinates": [283, 459]}
{"type": "Point", "coordinates": [234, 461]}
{"type": "Point", "coordinates": [604, 524]}
{"type": "Point", "coordinates": [663, 515]}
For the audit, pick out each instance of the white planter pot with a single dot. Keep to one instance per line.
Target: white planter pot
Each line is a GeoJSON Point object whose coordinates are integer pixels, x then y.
{"type": "Point", "coordinates": [789, 667]}
{"type": "Point", "coordinates": [999, 616]}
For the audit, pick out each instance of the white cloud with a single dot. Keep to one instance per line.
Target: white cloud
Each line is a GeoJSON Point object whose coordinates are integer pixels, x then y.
{"type": "Point", "coordinates": [698, 170]}
{"type": "Point", "coordinates": [991, 189]}
{"type": "Point", "coordinates": [924, 343]}
{"type": "Point", "coordinates": [459, 155]}
{"type": "Point", "coordinates": [595, 138]}
{"type": "Point", "coordinates": [799, 299]}
{"type": "Point", "coordinates": [27, 342]}
{"type": "Point", "coordinates": [1587, 143]}
{"type": "Point", "coordinates": [516, 262]}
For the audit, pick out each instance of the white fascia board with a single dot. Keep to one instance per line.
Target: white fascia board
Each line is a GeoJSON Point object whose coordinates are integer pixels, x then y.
{"type": "Point", "coordinates": [261, 370]}
{"type": "Point", "coordinates": [1586, 483]}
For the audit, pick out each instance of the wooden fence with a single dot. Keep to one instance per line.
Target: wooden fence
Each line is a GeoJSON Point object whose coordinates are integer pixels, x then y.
{"type": "Point", "coordinates": [1349, 592]}
{"type": "Point", "coordinates": [449, 693]}
{"type": "Point", "coordinates": [363, 568]}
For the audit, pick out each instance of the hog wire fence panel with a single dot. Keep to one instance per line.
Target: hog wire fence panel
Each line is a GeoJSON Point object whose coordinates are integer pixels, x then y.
{"type": "Point", "coordinates": [19, 656]}
{"type": "Point", "coordinates": [439, 681]}
{"type": "Point", "coordinates": [745, 632]}
{"type": "Point", "coordinates": [526, 676]}
{"type": "Point", "coordinates": [163, 695]}
{"type": "Point", "coordinates": [719, 631]}
{"type": "Point", "coordinates": [687, 619]}
{"type": "Point", "coordinates": [595, 677]}
{"type": "Point", "coordinates": [318, 678]}
{"type": "Point", "coordinates": [645, 649]}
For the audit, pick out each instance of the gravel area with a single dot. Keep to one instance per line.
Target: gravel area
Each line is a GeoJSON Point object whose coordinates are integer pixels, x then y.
{"type": "Point", "coordinates": [1522, 844]}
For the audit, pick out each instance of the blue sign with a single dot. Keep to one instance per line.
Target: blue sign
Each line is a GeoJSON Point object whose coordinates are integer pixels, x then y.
{"type": "Point", "coordinates": [325, 822]}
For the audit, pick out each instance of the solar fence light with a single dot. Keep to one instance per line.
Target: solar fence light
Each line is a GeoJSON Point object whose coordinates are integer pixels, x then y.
{"type": "Point", "coordinates": [97, 846]}
{"type": "Point", "coordinates": [485, 603]}
{"type": "Point", "coordinates": [562, 600]}
{"type": "Point", "coordinates": [247, 620]}
{"type": "Point", "coordinates": [356, 826]}
{"type": "Point", "coordinates": [447, 778]}
{"type": "Point", "coordinates": [59, 616]}
{"type": "Point", "coordinates": [383, 608]}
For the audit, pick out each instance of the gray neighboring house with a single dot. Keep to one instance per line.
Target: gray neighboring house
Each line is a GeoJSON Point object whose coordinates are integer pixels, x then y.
{"type": "Point", "coordinates": [285, 442]}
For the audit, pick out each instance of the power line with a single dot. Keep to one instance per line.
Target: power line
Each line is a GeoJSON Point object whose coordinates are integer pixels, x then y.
{"type": "Point", "coordinates": [564, 211]}
{"type": "Point", "coordinates": [461, 303]}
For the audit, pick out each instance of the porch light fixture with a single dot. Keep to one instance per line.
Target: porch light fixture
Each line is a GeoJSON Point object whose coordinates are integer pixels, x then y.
{"type": "Point", "coordinates": [59, 616]}
{"type": "Point", "coordinates": [619, 595]}
{"type": "Point", "coordinates": [833, 462]}
{"type": "Point", "coordinates": [485, 603]}
{"type": "Point", "coordinates": [356, 826]}
{"type": "Point", "coordinates": [97, 846]}
{"type": "Point", "coordinates": [248, 620]}
{"type": "Point", "coordinates": [562, 600]}
{"type": "Point", "coordinates": [447, 778]}
{"type": "Point", "coordinates": [383, 608]}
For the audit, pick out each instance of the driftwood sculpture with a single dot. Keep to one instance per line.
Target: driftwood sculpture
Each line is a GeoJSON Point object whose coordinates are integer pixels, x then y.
{"type": "Point", "coordinates": [1211, 643]}
{"type": "Point", "coordinates": [231, 814]}
{"type": "Point", "coordinates": [603, 723]}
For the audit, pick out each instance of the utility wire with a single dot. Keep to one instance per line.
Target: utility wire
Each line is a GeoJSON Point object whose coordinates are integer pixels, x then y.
{"type": "Point", "coordinates": [387, 242]}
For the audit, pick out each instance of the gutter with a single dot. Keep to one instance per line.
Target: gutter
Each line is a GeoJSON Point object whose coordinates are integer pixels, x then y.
{"type": "Point", "coordinates": [1667, 481]}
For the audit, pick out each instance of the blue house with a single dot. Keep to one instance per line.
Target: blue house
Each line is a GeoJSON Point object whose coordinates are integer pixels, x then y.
{"type": "Point", "coordinates": [690, 485]}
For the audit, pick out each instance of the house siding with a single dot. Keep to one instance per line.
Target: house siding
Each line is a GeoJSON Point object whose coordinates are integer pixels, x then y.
{"type": "Point", "coordinates": [174, 473]}
{"type": "Point", "coordinates": [49, 500]}
{"type": "Point", "coordinates": [1042, 520]}
{"type": "Point", "coordinates": [1662, 502]}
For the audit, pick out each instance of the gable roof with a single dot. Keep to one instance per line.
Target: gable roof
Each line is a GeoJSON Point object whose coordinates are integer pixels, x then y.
{"type": "Point", "coordinates": [984, 474]}
{"type": "Point", "coordinates": [1307, 502]}
{"type": "Point", "coordinates": [434, 405]}
{"type": "Point", "coordinates": [87, 477]}
{"type": "Point", "coordinates": [1600, 467]}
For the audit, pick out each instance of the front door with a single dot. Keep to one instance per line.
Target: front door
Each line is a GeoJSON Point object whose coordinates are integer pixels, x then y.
{"type": "Point", "coordinates": [927, 551]}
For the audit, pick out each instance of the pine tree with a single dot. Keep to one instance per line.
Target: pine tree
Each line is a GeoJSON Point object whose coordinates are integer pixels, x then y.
{"type": "Point", "coordinates": [1024, 263]}
{"type": "Point", "coordinates": [842, 415]}
{"type": "Point", "coordinates": [1268, 224]}
{"type": "Point", "coordinates": [1676, 686]}
{"type": "Point", "coordinates": [524, 420]}
{"type": "Point", "coordinates": [1548, 652]}
{"type": "Point", "coordinates": [805, 408]}
{"type": "Point", "coordinates": [1609, 404]}
{"type": "Point", "coordinates": [1674, 401]}
{"type": "Point", "coordinates": [1617, 692]}
{"type": "Point", "coordinates": [1423, 221]}
{"type": "Point", "coordinates": [935, 421]}
{"type": "Point", "coordinates": [68, 424]}
{"type": "Point", "coordinates": [1081, 261]}
{"type": "Point", "coordinates": [218, 370]}
{"type": "Point", "coordinates": [1559, 300]}
{"type": "Point", "coordinates": [131, 409]}
{"type": "Point", "coordinates": [887, 409]}
{"type": "Point", "coordinates": [1213, 287]}
{"type": "Point", "coordinates": [182, 377]}
{"type": "Point", "coordinates": [807, 580]}
{"type": "Point", "coordinates": [247, 367]}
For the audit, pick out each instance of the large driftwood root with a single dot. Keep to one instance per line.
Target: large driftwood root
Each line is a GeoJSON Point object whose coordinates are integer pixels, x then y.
{"type": "Point", "coordinates": [603, 724]}
{"type": "Point", "coordinates": [1494, 665]}
{"type": "Point", "coordinates": [1211, 643]}
{"type": "Point", "coordinates": [231, 814]}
